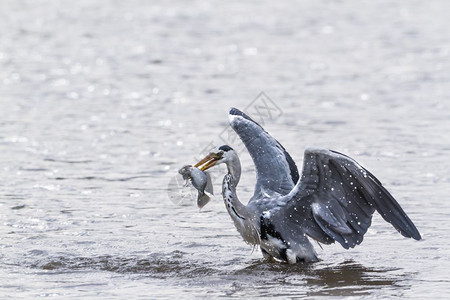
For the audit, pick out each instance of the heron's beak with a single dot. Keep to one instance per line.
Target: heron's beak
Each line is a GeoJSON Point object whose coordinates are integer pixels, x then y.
{"type": "Point", "coordinates": [209, 161]}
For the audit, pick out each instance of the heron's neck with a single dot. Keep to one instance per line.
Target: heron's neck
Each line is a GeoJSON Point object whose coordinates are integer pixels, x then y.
{"type": "Point", "coordinates": [242, 218]}
{"type": "Point", "coordinates": [234, 169]}
{"type": "Point", "coordinates": [230, 182]}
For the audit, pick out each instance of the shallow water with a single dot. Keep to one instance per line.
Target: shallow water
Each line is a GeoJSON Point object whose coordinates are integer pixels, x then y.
{"type": "Point", "coordinates": [103, 101]}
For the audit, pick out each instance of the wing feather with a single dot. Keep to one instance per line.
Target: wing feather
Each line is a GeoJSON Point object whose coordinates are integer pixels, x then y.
{"type": "Point", "coordinates": [336, 198]}
{"type": "Point", "coordinates": [276, 170]}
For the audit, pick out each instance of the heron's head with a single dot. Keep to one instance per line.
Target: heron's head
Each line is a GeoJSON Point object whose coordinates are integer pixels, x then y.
{"type": "Point", "coordinates": [220, 155]}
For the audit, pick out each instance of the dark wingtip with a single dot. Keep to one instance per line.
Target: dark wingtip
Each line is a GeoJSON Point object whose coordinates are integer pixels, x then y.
{"type": "Point", "coordinates": [415, 234]}
{"type": "Point", "coordinates": [236, 112]}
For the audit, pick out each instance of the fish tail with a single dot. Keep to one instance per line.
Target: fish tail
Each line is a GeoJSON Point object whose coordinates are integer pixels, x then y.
{"type": "Point", "coordinates": [202, 199]}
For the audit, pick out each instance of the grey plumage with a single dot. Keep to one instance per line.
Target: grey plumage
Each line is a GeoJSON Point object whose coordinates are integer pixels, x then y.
{"type": "Point", "coordinates": [276, 172]}
{"type": "Point", "coordinates": [333, 200]}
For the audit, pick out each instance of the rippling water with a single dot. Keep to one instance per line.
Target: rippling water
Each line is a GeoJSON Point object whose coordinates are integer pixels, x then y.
{"type": "Point", "coordinates": [103, 101]}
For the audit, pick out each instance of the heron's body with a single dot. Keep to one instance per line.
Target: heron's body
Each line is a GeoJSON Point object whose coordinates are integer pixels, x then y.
{"type": "Point", "coordinates": [252, 223]}
{"type": "Point", "coordinates": [333, 200]}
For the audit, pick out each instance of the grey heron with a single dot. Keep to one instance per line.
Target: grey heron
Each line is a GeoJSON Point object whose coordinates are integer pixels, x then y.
{"type": "Point", "coordinates": [333, 199]}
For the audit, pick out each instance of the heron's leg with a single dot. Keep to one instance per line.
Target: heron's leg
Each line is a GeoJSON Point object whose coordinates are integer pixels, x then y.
{"type": "Point", "coordinates": [266, 255]}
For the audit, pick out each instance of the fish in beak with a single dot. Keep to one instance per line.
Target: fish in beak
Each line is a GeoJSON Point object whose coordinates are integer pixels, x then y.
{"type": "Point", "coordinates": [201, 181]}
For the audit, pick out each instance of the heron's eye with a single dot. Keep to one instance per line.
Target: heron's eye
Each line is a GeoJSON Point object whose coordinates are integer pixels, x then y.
{"type": "Point", "coordinates": [220, 153]}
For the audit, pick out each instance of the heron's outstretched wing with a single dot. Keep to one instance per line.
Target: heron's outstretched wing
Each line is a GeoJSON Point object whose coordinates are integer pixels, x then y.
{"type": "Point", "coordinates": [276, 172]}
{"type": "Point", "coordinates": [335, 200]}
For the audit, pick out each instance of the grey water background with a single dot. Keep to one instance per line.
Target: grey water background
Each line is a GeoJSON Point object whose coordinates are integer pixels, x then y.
{"type": "Point", "coordinates": [102, 101]}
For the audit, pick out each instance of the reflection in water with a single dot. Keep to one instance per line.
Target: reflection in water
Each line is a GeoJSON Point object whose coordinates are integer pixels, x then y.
{"type": "Point", "coordinates": [350, 278]}
{"type": "Point", "coordinates": [259, 279]}
{"type": "Point", "coordinates": [345, 279]}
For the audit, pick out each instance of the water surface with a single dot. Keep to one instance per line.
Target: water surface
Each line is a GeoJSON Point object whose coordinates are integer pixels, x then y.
{"type": "Point", "coordinates": [102, 101]}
